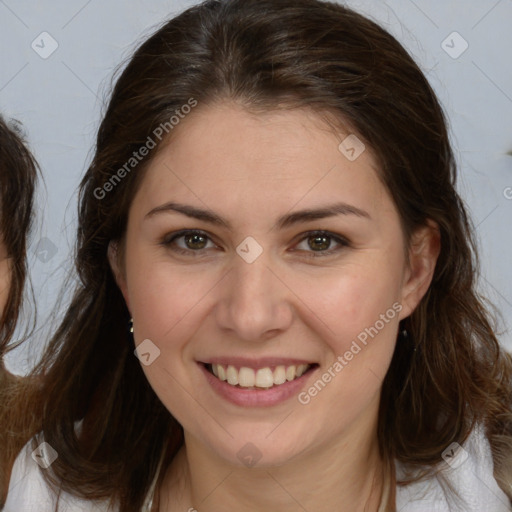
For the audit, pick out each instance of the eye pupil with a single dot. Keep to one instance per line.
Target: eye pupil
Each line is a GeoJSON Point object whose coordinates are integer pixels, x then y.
{"type": "Point", "coordinates": [195, 241]}
{"type": "Point", "coordinates": [319, 242]}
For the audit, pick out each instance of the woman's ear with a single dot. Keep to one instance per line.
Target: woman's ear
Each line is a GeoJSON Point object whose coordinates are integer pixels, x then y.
{"type": "Point", "coordinates": [114, 260]}
{"type": "Point", "coordinates": [424, 250]}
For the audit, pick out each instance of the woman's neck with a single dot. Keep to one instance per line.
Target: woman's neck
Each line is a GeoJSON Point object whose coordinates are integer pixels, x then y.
{"type": "Point", "coordinates": [345, 476]}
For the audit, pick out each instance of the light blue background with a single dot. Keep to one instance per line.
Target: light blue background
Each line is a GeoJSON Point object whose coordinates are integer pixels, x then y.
{"type": "Point", "coordinates": [59, 101]}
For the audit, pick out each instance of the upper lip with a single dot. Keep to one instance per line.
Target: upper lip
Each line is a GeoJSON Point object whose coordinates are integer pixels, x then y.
{"type": "Point", "coordinates": [262, 362]}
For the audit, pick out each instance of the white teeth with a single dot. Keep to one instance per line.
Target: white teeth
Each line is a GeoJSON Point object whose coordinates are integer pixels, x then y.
{"type": "Point", "coordinates": [301, 369]}
{"type": "Point", "coordinates": [260, 378]}
{"type": "Point", "coordinates": [264, 378]}
{"type": "Point", "coordinates": [232, 375]}
{"type": "Point", "coordinates": [246, 377]}
{"type": "Point", "coordinates": [290, 372]}
{"type": "Point", "coordinates": [280, 375]}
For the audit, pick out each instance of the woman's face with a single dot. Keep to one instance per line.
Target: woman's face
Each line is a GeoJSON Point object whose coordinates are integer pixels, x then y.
{"type": "Point", "coordinates": [298, 260]}
{"type": "Point", "coordinates": [5, 276]}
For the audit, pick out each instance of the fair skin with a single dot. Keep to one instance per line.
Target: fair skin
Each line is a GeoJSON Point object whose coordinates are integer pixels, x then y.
{"type": "Point", "coordinates": [207, 303]}
{"type": "Point", "coordinates": [5, 276]}
{"type": "Point", "coordinates": [5, 285]}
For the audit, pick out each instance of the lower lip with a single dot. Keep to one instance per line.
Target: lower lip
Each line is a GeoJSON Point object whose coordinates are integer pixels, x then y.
{"type": "Point", "coordinates": [254, 397]}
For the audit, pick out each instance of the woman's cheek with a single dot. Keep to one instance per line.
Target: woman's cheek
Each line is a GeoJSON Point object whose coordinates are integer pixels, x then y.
{"type": "Point", "coordinates": [361, 311]}
{"type": "Point", "coordinates": [163, 298]}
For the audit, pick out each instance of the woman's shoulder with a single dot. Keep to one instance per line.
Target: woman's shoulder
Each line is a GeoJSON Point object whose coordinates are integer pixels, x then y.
{"type": "Point", "coordinates": [29, 491]}
{"type": "Point", "coordinates": [468, 470]}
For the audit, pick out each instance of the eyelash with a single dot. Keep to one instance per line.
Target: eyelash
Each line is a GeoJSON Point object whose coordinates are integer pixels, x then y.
{"type": "Point", "coordinates": [170, 239]}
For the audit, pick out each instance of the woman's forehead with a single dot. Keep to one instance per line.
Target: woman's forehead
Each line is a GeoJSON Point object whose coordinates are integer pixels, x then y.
{"type": "Point", "coordinates": [226, 152]}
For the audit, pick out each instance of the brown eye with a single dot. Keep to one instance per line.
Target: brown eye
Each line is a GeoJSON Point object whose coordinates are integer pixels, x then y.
{"type": "Point", "coordinates": [319, 242]}
{"type": "Point", "coordinates": [195, 241]}
{"type": "Point", "coordinates": [188, 242]}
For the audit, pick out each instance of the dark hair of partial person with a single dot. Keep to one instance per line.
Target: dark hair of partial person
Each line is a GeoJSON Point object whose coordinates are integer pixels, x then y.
{"type": "Point", "coordinates": [18, 177]}
{"type": "Point", "coordinates": [267, 55]}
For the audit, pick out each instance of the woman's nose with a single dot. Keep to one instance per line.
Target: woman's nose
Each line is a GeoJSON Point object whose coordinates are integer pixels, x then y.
{"type": "Point", "coordinates": [254, 303]}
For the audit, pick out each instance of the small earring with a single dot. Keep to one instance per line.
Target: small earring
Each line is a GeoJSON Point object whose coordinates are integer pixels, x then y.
{"type": "Point", "coordinates": [130, 325]}
{"type": "Point", "coordinates": [405, 337]}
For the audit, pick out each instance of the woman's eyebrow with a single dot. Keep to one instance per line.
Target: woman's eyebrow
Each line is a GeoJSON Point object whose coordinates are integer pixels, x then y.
{"type": "Point", "coordinates": [285, 221]}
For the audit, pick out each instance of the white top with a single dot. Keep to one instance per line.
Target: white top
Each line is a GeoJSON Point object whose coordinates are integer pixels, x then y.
{"type": "Point", "coordinates": [469, 470]}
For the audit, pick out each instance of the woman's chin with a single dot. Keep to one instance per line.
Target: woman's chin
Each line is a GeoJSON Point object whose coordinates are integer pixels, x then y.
{"type": "Point", "coordinates": [259, 452]}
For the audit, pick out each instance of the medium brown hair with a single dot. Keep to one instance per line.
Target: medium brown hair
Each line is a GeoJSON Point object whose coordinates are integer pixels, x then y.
{"type": "Point", "coordinates": [268, 54]}
{"type": "Point", "coordinates": [18, 175]}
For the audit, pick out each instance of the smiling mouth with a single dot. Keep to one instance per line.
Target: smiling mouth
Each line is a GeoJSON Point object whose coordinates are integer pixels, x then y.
{"type": "Point", "coordinates": [261, 378]}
